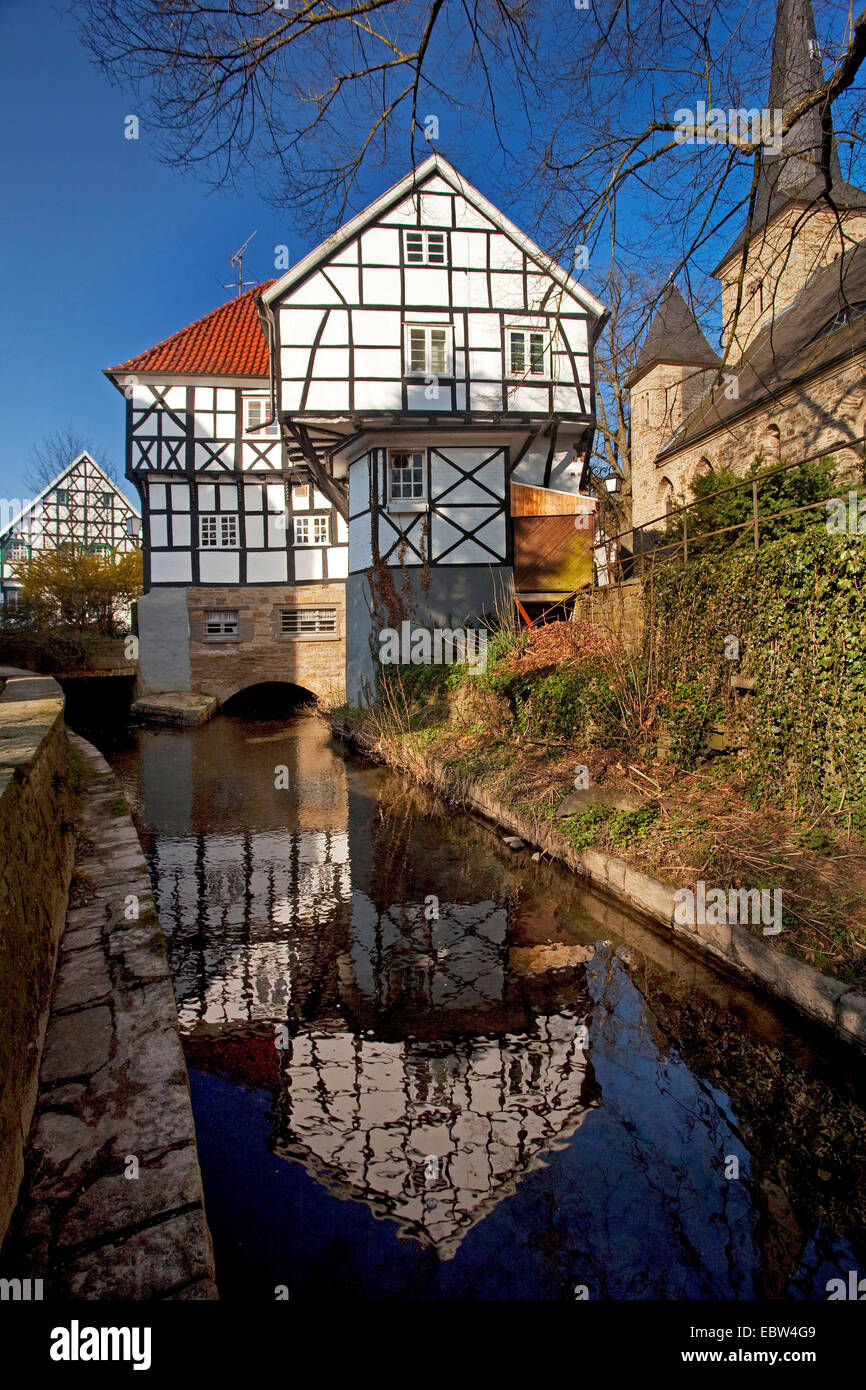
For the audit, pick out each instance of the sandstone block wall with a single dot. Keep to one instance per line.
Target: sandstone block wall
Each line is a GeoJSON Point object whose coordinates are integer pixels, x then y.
{"type": "Point", "coordinates": [808, 418]}
{"type": "Point", "coordinates": [221, 666]}
{"type": "Point", "coordinates": [37, 835]}
{"type": "Point", "coordinates": [617, 609]}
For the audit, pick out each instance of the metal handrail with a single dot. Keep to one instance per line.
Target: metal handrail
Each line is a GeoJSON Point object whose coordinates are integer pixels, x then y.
{"type": "Point", "coordinates": [683, 544]}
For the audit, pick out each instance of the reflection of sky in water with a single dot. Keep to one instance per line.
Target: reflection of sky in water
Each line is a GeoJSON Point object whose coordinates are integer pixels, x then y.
{"type": "Point", "coordinates": [474, 1104]}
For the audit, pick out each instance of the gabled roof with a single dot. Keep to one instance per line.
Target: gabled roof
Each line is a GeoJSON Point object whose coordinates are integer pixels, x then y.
{"type": "Point", "coordinates": [795, 175]}
{"type": "Point", "coordinates": [673, 336]}
{"type": "Point", "coordinates": [229, 341]}
{"type": "Point", "coordinates": [64, 473]}
{"type": "Point", "coordinates": [431, 167]}
{"type": "Point", "coordinates": [792, 348]}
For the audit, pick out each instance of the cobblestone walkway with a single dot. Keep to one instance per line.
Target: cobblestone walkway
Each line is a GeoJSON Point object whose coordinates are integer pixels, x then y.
{"type": "Point", "coordinates": [111, 1206]}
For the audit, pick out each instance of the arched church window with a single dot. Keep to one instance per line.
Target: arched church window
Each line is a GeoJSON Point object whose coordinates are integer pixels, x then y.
{"type": "Point", "coordinates": [773, 443]}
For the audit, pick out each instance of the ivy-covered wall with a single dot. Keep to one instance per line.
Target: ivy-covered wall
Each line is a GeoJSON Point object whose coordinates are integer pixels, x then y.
{"type": "Point", "coordinates": [792, 616]}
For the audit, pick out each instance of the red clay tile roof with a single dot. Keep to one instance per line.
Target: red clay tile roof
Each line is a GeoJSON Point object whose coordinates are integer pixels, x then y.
{"type": "Point", "coordinates": [227, 342]}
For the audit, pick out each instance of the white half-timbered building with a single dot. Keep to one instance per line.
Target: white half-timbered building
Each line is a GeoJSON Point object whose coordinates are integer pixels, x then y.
{"type": "Point", "coordinates": [395, 429]}
{"type": "Point", "coordinates": [81, 507]}
{"type": "Point", "coordinates": [245, 558]}
{"type": "Point", "coordinates": [433, 362]}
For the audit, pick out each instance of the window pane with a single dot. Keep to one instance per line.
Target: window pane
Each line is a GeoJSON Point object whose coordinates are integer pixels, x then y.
{"type": "Point", "coordinates": [435, 248]}
{"type": "Point", "coordinates": [415, 248]}
{"type": "Point", "coordinates": [302, 530]}
{"type": "Point", "coordinates": [518, 357]}
{"type": "Point", "coordinates": [438, 361]}
{"type": "Point", "coordinates": [320, 530]}
{"type": "Point", "coordinates": [417, 350]}
{"type": "Point", "coordinates": [254, 414]}
{"type": "Point", "coordinates": [228, 530]}
{"type": "Point", "coordinates": [407, 475]}
{"type": "Point", "coordinates": [208, 532]}
{"type": "Point", "coordinates": [536, 354]}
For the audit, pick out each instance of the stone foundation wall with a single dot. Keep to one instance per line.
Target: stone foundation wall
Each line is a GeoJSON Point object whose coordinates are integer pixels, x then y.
{"type": "Point", "coordinates": [37, 835]}
{"type": "Point", "coordinates": [221, 666]}
{"type": "Point", "coordinates": [616, 608]}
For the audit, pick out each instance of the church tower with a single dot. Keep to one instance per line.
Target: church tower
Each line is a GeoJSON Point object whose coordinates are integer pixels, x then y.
{"type": "Point", "coordinates": [795, 229]}
{"type": "Point", "coordinates": [672, 375]}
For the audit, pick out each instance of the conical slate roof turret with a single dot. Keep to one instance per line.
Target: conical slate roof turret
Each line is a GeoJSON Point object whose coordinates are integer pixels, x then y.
{"type": "Point", "coordinates": [673, 336]}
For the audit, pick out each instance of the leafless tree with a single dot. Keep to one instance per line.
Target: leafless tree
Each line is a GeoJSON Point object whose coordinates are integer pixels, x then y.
{"type": "Point", "coordinates": [54, 452]}
{"type": "Point", "coordinates": [580, 103]}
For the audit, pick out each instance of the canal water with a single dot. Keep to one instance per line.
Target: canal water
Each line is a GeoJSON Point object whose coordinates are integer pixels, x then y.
{"type": "Point", "coordinates": [425, 1068]}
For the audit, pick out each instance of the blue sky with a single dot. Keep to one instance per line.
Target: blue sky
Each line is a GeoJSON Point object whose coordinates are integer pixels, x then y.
{"type": "Point", "coordinates": [104, 250]}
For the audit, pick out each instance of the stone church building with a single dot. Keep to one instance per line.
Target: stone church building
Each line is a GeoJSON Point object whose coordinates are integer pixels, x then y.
{"type": "Point", "coordinates": [792, 378]}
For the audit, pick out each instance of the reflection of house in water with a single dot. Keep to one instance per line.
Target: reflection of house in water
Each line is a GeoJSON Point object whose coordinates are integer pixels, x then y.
{"type": "Point", "coordinates": [486, 1072]}
{"type": "Point", "coordinates": [431, 1061]}
{"type": "Point", "coordinates": [247, 912]}
{"type": "Point", "coordinates": [432, 1134]}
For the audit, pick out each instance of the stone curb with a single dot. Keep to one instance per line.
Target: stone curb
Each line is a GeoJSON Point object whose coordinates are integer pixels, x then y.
{"type": "Point", "coordinates": [821, 997]}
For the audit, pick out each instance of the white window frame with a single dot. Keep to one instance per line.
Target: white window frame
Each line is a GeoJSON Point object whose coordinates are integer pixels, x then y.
{"type": "Point", "coordinates": [524, 373]}
{"type": "Point", "coordinates": [320, 623]}
{"type": "Point", "coordinates": [417, 501]}
{"type": "Point", "coordinates": [417, 239]}
{"type": "Point", "coordinates": [306, 528]}
{"type": "Point", "coordinates": [428, 369]}
{"type": "Point", "coordinates": [272, 431]}
{"type": "Point", "coordinates": [225, 621]}
{"type": "Point", "coordinates": [225, 531]}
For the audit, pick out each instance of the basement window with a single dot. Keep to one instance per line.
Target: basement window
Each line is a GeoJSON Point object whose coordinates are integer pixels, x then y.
{"type": "Point", "coordinates": [308, 622]}
{"type": "Point", "coordinates": [221, 622]}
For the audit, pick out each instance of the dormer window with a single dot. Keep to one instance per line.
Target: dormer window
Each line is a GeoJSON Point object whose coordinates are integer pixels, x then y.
{"type": "Point", "coordinates": [423, 247]}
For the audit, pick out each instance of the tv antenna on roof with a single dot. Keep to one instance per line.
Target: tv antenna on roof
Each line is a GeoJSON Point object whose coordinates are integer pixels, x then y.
{"type": "Point", "coordinates": [238, 260]}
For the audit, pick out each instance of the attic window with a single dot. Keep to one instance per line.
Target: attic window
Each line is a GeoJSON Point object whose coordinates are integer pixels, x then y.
{"type": "Point", "coordinates": [840, 320]}
{"type": "Point", "coordinates": [423, 247]}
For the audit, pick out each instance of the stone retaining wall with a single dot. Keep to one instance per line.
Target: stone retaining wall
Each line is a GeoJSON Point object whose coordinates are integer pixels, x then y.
{"type": "Point", "coordinates": [36, 833]}
{"type": "Point", "coordinates": [615, 608]}
{"type": "Point", "coordinates": [112, 1206]}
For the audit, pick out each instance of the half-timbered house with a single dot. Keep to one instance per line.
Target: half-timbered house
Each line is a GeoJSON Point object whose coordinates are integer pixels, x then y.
{"type": "Point", "coordinates": [245, 559]}
{"type": "Point", "coordinates": [395, 429]}
{"type": "Point", "coordinates": [81, 507]}
{"type": "Point", "coordinates": [434, 369]}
